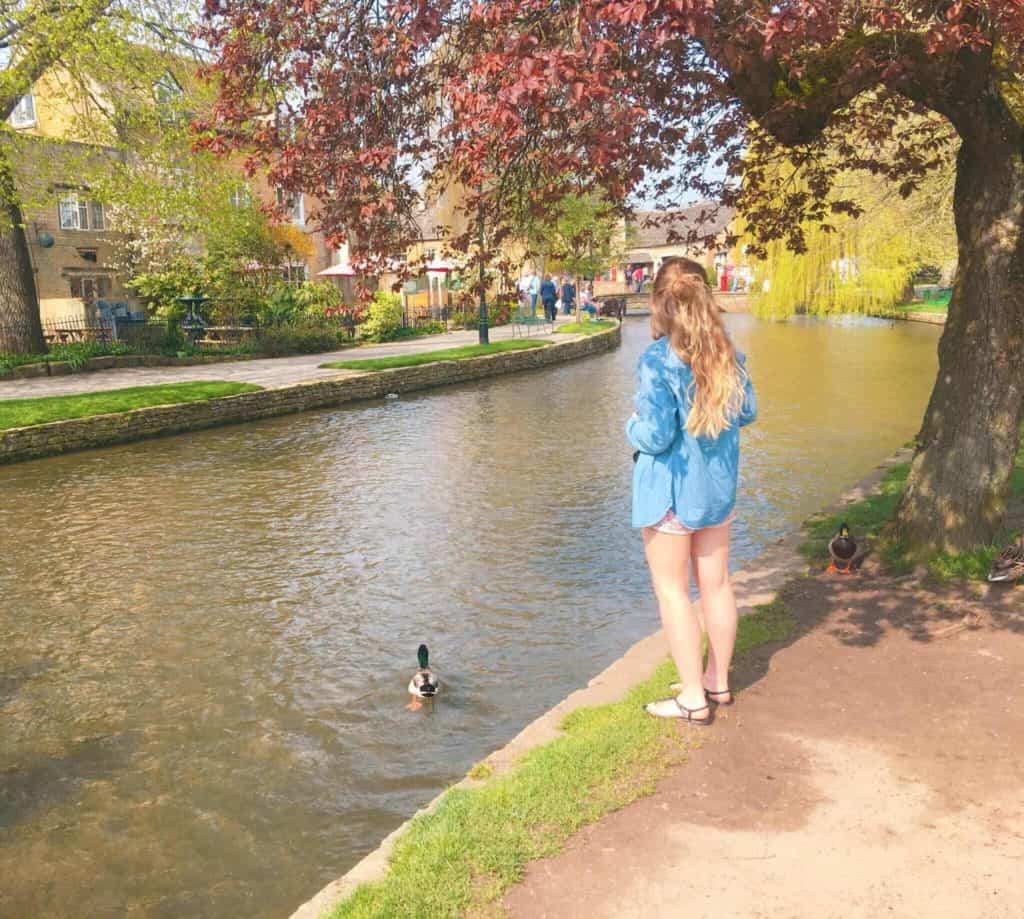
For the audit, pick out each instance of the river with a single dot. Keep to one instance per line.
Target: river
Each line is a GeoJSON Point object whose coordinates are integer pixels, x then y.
{"type": "Point", "coordinates": [205, 640]}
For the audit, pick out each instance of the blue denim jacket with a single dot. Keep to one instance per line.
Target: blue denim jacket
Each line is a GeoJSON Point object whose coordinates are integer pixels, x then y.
{"type": "Point", "coordinates": [694, 477]}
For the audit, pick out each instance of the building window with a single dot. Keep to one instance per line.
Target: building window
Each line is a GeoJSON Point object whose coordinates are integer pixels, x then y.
{"type": "Point", "coordinates": [241, 197]}
{"type": "Point", "coordinates": [167, 90]}
{"type": "Point", "coordinates": [293, 205]}
{"type": "Point", "coordinates": [77, 214]}
{"type": "Point", "coordinates": [89, 288]}
{"type": "Point", "coordinates": [24, 113]}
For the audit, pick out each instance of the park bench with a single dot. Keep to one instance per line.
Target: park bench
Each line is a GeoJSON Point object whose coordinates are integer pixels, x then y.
{"type": "Point", "coordinates": [225, 335]}
{"type": "Point", "coordinates": [62, 335]}
{"type": "Point", "coordinates": [523, 322]}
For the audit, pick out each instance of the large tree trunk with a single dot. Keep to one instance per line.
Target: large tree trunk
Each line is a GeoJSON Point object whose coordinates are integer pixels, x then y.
{"type": "Point", "coordinates": [956, 495]}
{"type": "Point", "coordinates": [20, 329]}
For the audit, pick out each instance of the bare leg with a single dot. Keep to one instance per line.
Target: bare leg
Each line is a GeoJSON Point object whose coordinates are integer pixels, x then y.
{"type": "Point", "coordinates": [668, 556]}
{"type": "Point", "coordinates": [711, 567]}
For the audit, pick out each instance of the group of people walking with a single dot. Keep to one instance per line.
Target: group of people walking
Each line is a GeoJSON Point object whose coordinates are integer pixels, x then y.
{"type": "Point", "coordinates": [553, 294]}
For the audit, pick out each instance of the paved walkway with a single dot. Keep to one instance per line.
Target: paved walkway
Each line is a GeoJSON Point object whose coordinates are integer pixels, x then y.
{"type": "Point", "coordinates": [870, 767]}
{"type": "Point", "coordinates": [267, 372]}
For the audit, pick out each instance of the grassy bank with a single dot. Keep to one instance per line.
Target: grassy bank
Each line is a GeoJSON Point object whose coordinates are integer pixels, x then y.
{"type": "Point", "coordinates": [429, 357]}
{"type": "Point", "coordinates": [18, 413]}
{"type": "Point", "coordinates": [869, 518]}
{"type": "Point", "coordinates": [587, 327]}
{"type": "Point", "coordinates": [461, 858]}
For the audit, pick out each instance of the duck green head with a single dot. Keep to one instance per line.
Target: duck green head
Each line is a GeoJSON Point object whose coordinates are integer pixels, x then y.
{"type": "Point", "coordinates": [422, 655]}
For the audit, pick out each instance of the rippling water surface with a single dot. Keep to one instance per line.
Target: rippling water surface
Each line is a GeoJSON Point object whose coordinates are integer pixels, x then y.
{"type": "Point", "coordinates": [204, 640]}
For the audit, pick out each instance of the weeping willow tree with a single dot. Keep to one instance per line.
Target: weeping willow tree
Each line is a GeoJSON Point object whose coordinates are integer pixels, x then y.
{"type": "Point", "coordinates": [863, 263]}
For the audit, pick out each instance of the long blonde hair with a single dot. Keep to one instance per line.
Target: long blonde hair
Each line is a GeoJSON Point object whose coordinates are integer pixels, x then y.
{"type": "Point", "coordinates": [683, 308]}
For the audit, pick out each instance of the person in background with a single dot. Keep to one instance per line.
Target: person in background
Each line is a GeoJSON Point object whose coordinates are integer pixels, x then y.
{"type": "Point", "coordinates": [638, 278]}
{"type": "Point", "coordinates": [525, 289]}
{"type": "Point", "coordinates": [548, 296]}
{"type": "Point", "coordinates": [534, 292]}
{"type": "Point", "coordinates": [588, 304]}
{"type": "Point", "coordinates": [568, 295]}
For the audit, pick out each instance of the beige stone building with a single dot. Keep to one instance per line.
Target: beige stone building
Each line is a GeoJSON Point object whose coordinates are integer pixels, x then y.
{"type": "Point", "coordinates": [69, 230]}
{"type": "Point", "coordinates": [650, 241]}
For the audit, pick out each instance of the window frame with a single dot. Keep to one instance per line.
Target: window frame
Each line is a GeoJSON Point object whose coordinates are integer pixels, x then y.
{"type": "Point", "coordinates": [98, 282]}
{"type": "Point", "coordinates": [29, 120]}
{"type": "Point", "coordinates": [89, 214]}
{"type": "Point", "coordinates": [240, 197]}
{"type": "Point", "coordinates": [296, 211]}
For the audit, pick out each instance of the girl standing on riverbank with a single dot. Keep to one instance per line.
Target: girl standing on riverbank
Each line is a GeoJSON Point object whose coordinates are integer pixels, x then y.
{"type": "Point", "coordinates": [694, 395]}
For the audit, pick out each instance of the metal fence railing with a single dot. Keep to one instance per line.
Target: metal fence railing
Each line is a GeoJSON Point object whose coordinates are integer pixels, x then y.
{"type": "Point", "coordinates": [58, 331]}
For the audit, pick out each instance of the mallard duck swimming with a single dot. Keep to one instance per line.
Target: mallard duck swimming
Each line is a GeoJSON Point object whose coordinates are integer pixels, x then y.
{"type": "Point", "coordinates": [1009, 566]}
{"type": "Point", "coordinates": [424, 684]}
{"type": "Point", "coordinates": [843, 550]}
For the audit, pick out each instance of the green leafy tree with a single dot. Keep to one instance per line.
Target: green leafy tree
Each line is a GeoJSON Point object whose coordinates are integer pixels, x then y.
{"type": "Point", "coordinates": [581, 234]}
{"type": "Point", "coordinates": [78, 36]}
{"type": "Point", "coordinates": [860, 262]}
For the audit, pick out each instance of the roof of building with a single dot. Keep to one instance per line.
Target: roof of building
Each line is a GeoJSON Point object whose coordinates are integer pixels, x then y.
{"type": "Point", "coordinates": [664, 228]}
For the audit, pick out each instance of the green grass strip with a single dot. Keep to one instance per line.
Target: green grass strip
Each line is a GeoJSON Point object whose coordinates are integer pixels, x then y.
{"type": "Point", "coordinates": [19, 413]}
{"type": "Point", "coordinates": [587, 327]}
{"type": "Point", "coordinates": [463, 856]}
{"type": "Point", "coordinates": [869, 518]}
{"type": "Point", "coordinates": [430, 357]}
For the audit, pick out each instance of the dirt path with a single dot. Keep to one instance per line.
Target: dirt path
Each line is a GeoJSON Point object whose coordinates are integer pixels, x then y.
{"type": "Point", "coordinates": [871, 767]}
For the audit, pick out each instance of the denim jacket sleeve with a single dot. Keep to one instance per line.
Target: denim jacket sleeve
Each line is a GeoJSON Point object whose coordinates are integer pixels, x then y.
{"type": "Point", "coordinates": [749, 410]}
{"type": "Point", "coordinates": [655, 424]}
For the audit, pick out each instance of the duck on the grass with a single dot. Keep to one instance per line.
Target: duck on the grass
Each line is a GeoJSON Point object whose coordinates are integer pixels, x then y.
{"type": "Point", "coordinates": [425, 684]}
{"type": "Point", "coordinates": [842, 549]}
{"type": "Point", "coordinates": [1009, 565]}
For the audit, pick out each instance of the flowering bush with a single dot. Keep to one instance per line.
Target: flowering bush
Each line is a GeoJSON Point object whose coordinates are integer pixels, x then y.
{"type": "Point", "coordinates": [384, 317]}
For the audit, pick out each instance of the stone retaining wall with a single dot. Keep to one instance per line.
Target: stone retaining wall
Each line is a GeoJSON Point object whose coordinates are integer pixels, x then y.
{"type": "Point", "coordinates": [931, 318]}
{"type": "Point", "coordinates": [103, 430]}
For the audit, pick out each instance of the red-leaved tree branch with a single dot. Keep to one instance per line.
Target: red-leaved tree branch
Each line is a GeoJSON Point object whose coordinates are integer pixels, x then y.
{"type": "Point", "coordinates": [371, 106]}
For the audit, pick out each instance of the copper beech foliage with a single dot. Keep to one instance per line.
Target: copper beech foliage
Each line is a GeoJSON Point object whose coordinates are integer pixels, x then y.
{"type": "Point", "coordinates": [364, 104]}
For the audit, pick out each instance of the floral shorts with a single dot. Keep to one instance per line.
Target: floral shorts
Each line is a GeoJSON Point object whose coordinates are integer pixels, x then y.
{"type": "Point", "coordinates": [670, 524]}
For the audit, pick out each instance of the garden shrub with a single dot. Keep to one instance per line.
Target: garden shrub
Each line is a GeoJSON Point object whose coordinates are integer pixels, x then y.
{"type": "Point", "coordinates": [9, 361]}
{"type": "Point", "coordinates": [317, 299]}
{"type": "Point", "coordinates": [464, 320]}
{"type": "Point", "coordinates": [74, 353]}
{"type": "Point", "coordinates": [280, 307]}
{"type": "Point", "coordinates": [299, 338]}
{"type": "Point", "coordinates": [77, 353]}
{"type": "Point", "coordinates": [384, 317]}
{"type": "Point", "coordinates": [159, 290]}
